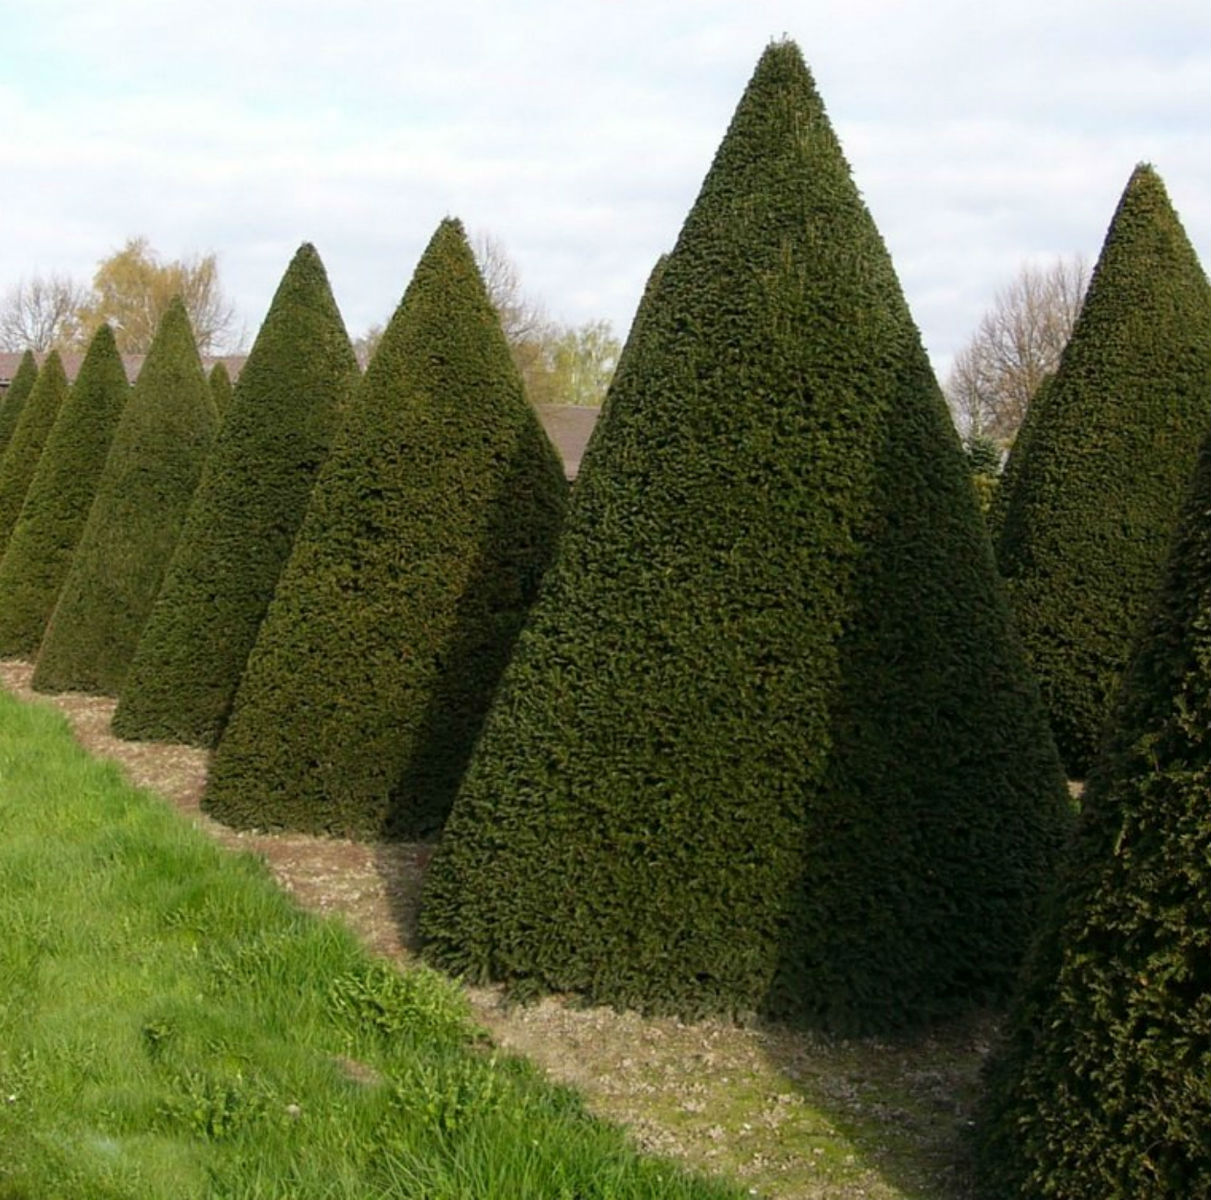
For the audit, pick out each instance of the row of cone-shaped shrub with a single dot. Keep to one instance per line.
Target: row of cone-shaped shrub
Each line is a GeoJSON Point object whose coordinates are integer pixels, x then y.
{"type": "Point", "coordinates": [767, 740]}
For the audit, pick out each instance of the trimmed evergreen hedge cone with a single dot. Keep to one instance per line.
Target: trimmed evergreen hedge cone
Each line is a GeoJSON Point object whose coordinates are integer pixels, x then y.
{"type": "Point", "coordinates": [220, 388]}
{"type": "Point", "coordinates": [162, 439]}
{"type": "Point", "coordinates": [21, 456]}
{"type": "Point", "coordinates": [995, 516]}
{"type": "Point", "coordinates": [15, 396]}
{"type": "Point", "coordinates": [766, 741]}
{"type": "Point", "coordinates": [428, 531]}
{"type": "Point", "coordinates": [244, 516]}
{"type": "Point", "coordinates": [1103, 1084]}
{"type": "Point", "coordinates": [1092, 508]}
{"type": "Point", "coordinates": [60, 494]}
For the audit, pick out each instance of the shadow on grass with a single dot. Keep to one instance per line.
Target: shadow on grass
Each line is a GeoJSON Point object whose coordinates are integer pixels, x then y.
{"type": "Point", "coordinates": [793, 1113]}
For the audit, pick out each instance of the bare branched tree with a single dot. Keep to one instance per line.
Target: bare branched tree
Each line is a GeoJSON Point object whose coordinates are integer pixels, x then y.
{"type": "Point", "coordinates": [1019, 341]}
{"type": "Point", "coordinates": [131, 290]}
{"type": "Point", "coordinates": [521, 319]}
{"type": "Point", "coordinates": [365, 345]}
{"type": "Point", "coordinates": [41, 313]}
{"type": "Point", "coordinates": [558, 364]}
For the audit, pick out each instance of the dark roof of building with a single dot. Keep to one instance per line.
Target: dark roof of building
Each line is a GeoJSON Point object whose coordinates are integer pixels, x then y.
{"type": "Point", "coordinates": [10, 361]}
{"type": "Point", "coordinates": [568, 426]}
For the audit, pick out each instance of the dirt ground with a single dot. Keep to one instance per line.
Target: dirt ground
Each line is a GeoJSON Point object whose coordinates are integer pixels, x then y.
{"type": "Point", "coordinates": [785, 1113]}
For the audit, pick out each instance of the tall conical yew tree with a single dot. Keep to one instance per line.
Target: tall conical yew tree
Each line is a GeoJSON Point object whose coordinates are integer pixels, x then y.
{"type": "Point", "coordinates": [20, 458]}
{"type": "Point", "coordinates": [15, 396]}
{"type": "Point", "coordinates": [1093, 507]}
{"type": "Point", "coordinates": [60, 494]}
{"type": "Point", "coordinates": [220, 388]}
{"type": "Point", "coordinates": [428, 531]}
{"type": "Point", "coordinates": [1103, 1084]}
{"type": "Point", "coordinates": [765, 740]}
{"type": "Point", "coordinates": [243, 517]}
{"type": "Point", "coordinates": [162, 439]}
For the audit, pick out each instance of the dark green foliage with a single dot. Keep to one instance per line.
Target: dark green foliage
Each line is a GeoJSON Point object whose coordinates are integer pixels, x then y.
{"type": "Point", "coordinates": [983, 455]}
{"type": "Point", "coordinates": [623, 365]}
{"type": "Point", "coordinates": [1093, 504]}
{"type": "Point", "coordinates": [161, 441]}
{"type": "Point", "coordinates": [220, 388]}
{"type": "Point", "coordinates": [244, 516]}
{"type": "Point", "coordinates": [765, 741]}
{"type": "Point", "coordinates": [995, 515]}
{"type": "Point", "coordinates": [429, 529]}
{"type": "Point", "coordinates": [1103, 1085]}
{"type": "Point", "coordinates": [44, 539]}
{"type": "Point", "coordinates": [13, 400]}
{"type": "Point", "coordinates": [20, 458]}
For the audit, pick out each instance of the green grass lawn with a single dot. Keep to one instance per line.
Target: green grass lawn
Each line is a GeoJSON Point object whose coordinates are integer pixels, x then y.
{"type": "Point", "coordinates": [171, 1025]}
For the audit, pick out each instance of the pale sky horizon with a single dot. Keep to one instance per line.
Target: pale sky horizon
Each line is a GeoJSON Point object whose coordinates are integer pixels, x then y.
{"type": "Point", "coordinates": [982, 137]}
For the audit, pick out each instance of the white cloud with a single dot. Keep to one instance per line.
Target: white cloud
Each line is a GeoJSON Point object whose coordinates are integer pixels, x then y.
{"type": "Point", "coordinates": [579, 134]}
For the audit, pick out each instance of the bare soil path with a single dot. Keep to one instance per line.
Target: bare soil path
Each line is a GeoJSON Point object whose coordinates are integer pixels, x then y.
{"type": "Point", "coordinates": [786, 1113]}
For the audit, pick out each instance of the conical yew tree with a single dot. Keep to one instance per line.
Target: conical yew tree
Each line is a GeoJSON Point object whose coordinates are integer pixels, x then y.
{"type": "Point", "coordinates": [20, 458]}
{"type": "Point", "coordinates": [44, 539]}
{"type": "Point", "coordinates": [1103, 1085]}
{"type": "Point", "coordinates": [220, 388]}
{"type": "Point", "coordinates": [1092, 509]}
{"type": "Point", "coordinates": [243, 517]}
{"type": "Point", "coordinates": [765, 740]}
{"type": "Point", "coordinates": [162, 439]}
{"type": "Point", "coordinates": [428, 531]}
{"type": "Point", "coordinates": [1014, 463]}
{"type": "Point", "coordinates": [13, 400]}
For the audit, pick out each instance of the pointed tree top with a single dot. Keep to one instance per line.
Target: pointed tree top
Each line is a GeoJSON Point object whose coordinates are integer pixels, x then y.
{"type": "Point", "coordinates": [52, 365]}
{"type": "Point", "coordinates": [305, 259]}
{"type": "Point", "coordinates": [102, 340]}
{"type": "Point", "coordinates": [446, 271]}
{"type": "Point", "coordinates": [304, 283]}
{"type": "Point", "coordinates": [174, 350]}
{"type": "Point", "coordinates": [13, 400]}
{"type": "Point", "coordinates": [1144, 175]}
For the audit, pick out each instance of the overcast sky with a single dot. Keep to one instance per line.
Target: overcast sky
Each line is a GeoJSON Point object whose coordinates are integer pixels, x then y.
{"type": "Point", "coordinates": [577, 134]}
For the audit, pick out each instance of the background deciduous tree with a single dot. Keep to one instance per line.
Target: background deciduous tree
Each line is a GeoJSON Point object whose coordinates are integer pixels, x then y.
{"type": "Point", "coordinates": [365, 346]}
{"type": "Point", "coordinates": [133, 288]}
{"type": "Point", "coordinates": [1019, 341]}
{"type": "Point", "coordinates": [41, 313]}
{"type": "Point", "coordinates": [584, 358]}
{"type": "Point", "coordinates": [559, 364]}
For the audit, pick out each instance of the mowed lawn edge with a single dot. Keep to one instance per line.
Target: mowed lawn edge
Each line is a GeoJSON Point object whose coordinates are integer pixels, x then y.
{"type": "Point", "coordinates": [173, 1025]}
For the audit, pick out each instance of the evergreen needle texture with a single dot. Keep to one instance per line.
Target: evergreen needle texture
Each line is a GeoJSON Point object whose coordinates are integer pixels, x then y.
{"type": "Point", "coordinates": [243, 517]}
{"type": "Point", "coordinates": [161, 441]}
{"type": "Point", "coordinates": [44, 539]}
{"type": "Point", "coordinates": [1103, 1086]}
{"type": "Point", "coordinates": [15, 395]}
{"type": "Point", "coordinates": [1092, 509]}
{"type": "Point", "coordinates": [428, 531]}
{"type": "Point", "coordinates": [220, 388]}
{"type": "Point", "coordinates": [20, 458]}
{"type": "Point", "coordinates": [1014, 463]}
{"type": "Point", "coordinates": [765, 741]}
